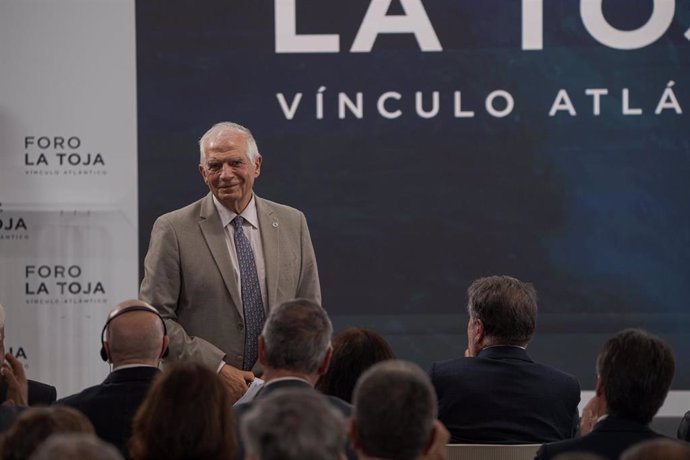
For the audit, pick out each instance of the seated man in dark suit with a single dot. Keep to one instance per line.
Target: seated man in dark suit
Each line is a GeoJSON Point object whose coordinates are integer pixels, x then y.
{"type": "Point", "coordinates": [294, 350]}
{"type": "Point", "coordinates": [40, 394]}
{"type": "Point", "coordinates": [395, 414]}
{"type": "Point", "coordinates": [134, 340]}
{"type": "Point", "coordinates": [292, 424]}
{"type": "Point", "coordinates": [496, 394]}
{"type": "Point", "coordinates": [634, 373]}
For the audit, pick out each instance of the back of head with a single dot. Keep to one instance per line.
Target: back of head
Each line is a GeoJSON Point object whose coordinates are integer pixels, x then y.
{"type": "Point", "coordinates": [394, 411]}
{"type": "Point", "coordinates": [658, 449]}
{"type": "Point", "coordinates": [70, 446]}
{"type": "Point", "coordinates": [297, 335]}
{"type": "Point", "coordinates": [134, 333]}
{"type": "Point", "coordinates": [354, 351]}
{"type": "Point", "coordinates": [293, 424]}
{"type": "Point", "coordinates": [36, 424]}
{"type": "Point", "coordinates": [636, 369]}
{"type": "Point", "coordinates": [507, 308]}
{"type": "Point", "coordinates": [187, 413]}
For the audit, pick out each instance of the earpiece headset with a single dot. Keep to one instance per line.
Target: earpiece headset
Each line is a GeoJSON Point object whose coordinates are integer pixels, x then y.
{"type": "Point", "coordinates": [119, 312]}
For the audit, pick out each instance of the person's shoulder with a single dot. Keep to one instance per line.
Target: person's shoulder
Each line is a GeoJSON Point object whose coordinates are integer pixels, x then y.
{"type": "Point", "coordinates": [191, 210]}
{"type": "Point", "coordinates": [272, 206]}
{"type": "Point", "coordinates": [41, 393]}
{"type": "Point", "coordinates": [76, 399]}
{"type": "Point", "coordinates": [341, 405]}
{"type": "Point", "coordinates": [557, 374]}
{"type": "Point", "coordinates": [450, 367]}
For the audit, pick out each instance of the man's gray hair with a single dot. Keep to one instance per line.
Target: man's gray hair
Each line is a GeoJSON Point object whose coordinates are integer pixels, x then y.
{"type": "Point", "coordinates": [227, 126]}
{"type": "Point", "coordinates": [293, 424]}
{"type": "Point", "coordinates": [2, 316]}
{"type": "Point", "coordinates": [297, 335]}
{"type": "Point", "coordinates": [394, 410]}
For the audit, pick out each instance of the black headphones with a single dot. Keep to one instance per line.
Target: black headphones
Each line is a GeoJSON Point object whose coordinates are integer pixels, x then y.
{"type": "Point", "coordinates": [121, 311]}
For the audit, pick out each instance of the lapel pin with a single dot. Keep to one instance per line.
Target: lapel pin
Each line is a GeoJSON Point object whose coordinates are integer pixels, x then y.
{"type": "Point", "coordinates": [275, 224]}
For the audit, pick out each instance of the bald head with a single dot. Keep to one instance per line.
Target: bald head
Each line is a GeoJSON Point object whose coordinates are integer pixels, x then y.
{"type": "Point", "coordinates": [135, 337]}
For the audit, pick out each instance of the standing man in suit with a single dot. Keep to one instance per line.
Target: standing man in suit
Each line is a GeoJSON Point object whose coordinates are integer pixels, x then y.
{"type": "Point", "coordinates": [133, 341]}
{"type": "Point", "coordinates": [634, 374]}
{"type": "Point", "coordinates": [497, 394]}
{"type": "Point", "coordinates": [40, 394]}
{"type": "Point", "coordinates": [215, 268]}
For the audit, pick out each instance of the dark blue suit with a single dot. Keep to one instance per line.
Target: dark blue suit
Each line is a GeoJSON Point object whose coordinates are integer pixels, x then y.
{"type": "Point", "coordinates": [503, 397]}
{"type": "Point", "coordinates": [40, 394]}
{"type": "Point", "coordinates": [111, 405]}
{"type": "Point", "coordinates": [609, 438]}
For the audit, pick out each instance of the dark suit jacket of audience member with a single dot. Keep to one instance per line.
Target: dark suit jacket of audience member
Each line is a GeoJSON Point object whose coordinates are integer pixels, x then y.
{"type": "Point", "coordinates": [503, 397]}
{"type": "Point", "coordinates": [241, 409]}
{"type": "Point", "coordinates": [40, 394]}
{"type": "Point", "coordinates": [111, 405]}
{"type": "Point", "coordinates": [609, 438]}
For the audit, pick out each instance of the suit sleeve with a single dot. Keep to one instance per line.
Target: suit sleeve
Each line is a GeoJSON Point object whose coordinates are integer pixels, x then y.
{"type": "Point", "coordinates": [309, 287]}
{"type": "Point", "coordinates": [161, 288]}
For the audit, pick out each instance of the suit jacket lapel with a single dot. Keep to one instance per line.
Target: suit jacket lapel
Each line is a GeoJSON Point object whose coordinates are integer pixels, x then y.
{"type": "Point", "coordinates": [214, 234]}
{"type": "Point", "coordinates": [270, 239]}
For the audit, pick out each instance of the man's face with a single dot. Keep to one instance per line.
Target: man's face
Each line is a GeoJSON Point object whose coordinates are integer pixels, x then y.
{"type": "Point", "coordinates": [228, 171]}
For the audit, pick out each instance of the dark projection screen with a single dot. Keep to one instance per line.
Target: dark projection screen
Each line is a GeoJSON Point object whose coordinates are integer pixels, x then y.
{"type": "Point", "coordinates": [545, 140]}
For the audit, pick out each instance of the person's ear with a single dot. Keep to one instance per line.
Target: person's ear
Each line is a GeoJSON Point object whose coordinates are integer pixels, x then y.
{"type": "Point", "coordinates": [257, 165]}
{"type": "Point", "coordinates": [325, 364]}
{"type": "Point", "coordinates": [262, 351]}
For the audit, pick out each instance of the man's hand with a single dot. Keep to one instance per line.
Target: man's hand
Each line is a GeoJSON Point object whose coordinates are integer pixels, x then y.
{"type": "Point", "coordinates": [594, 409]}
{"type": "Point", "coordinates": [12, 372]}
{"type": "Point", "coordinates": [236, 380]}
{"type": "Point", "coordinates": [438, 450]}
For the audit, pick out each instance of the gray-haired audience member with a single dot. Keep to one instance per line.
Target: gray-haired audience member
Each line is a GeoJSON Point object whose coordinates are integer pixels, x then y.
{"type": "Point", "coordinates": [496, 393]}
{"type": "Point", "coordinates": [292, 424]}
{"type": "Point", "coordinates": [73, 446]}
{"type": "Point", "coordinates": [634, 373]}
{"type": "Point", "coordinates": [294, 350]}
{"type": "Point", "coordinates": [395, 414]}
{"type": "Point", "coordinates": [658, 449]}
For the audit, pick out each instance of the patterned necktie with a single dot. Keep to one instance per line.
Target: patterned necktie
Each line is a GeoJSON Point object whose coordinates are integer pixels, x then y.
{"type": "Point", "coordinates": [251, 295]}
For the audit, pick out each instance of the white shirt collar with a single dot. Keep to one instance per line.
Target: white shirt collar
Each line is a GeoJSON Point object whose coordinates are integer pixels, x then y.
{"type": "Point", "coordinates": [249, 214]}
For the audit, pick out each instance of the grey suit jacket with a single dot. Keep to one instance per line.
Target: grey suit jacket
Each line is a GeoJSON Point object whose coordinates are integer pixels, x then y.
{"type": "Point", "coordinates": [189, 277]}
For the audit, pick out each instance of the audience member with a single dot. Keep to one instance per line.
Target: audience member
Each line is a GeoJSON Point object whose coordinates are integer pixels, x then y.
{"type": "Point", "coordinates": [187, 414]}
{"type": "Point", "coordinates": [294, 350]}
{"type": "Point", "coordinates": [36, 424]}
{"type": "Point", "coordinates": [658, 449]}
{"type": "Point", "coordinates": [354, 350]}
{"type": "Point", "coordinates": [39, 394]}
{"type": "Point", "coordinates": [12, 372]}
{"type": "Point", "coordinates": [133, 340]}
{"type": "Point", "coordinates": [293, 424]}
{"type": "Point", "coordinates": [497, 394]}
{"type": "Point", "coordinates": [395, 414]}
{"type": "Point", "coordinates": [75, 446]}
{"type": "Point", "coordinates": [634, 373]}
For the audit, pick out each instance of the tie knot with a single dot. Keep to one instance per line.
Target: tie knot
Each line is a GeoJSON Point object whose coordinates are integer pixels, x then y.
{"type": "Point", "coordinates": [237, 222]}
